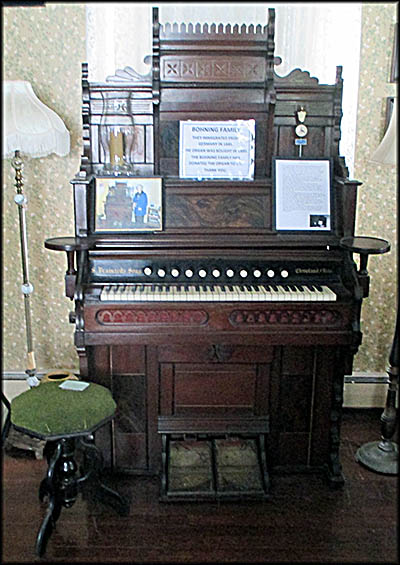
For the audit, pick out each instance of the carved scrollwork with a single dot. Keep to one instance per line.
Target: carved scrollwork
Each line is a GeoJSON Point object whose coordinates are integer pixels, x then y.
{"type": "Point", "coordinates": [129, 75]}
{"type": "Point", "coordinates": [143, 317]}
{"type": "Point", "coordinates": [285, 317]}
{"type": "Point", "coordinates": [220, 352]}
{"type": "Point", "coordinates": [298, 77]}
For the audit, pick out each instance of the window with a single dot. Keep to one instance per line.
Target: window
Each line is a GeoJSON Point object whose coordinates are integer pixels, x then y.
{"type": "Point", "coordinates": [315, 37]}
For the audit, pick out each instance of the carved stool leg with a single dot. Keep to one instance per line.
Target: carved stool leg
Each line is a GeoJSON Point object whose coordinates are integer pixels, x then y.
{"type": "Point", "coordinates": [92, 466]}
{"type": "Point", "coordinates": [48, 488]}
{"type": "Point", "coordinates": [60, 486]}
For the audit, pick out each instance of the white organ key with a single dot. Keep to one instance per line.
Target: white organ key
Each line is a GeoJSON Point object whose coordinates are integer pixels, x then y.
{"type": "Point", "coordinates": [300, 295]}
{"type": "Point", "coordinates": [120, 292]}
{"type": "Point", "coordinates": [331, 296]}
{"type": "Point", "coordinates": [105, 292]}
{"type": "Point", "coordinates": [312, 296]}
{"type": "Point", "coordinates": [258, 293]}
{"type": "Point", "coordinates": [176, 295]}
{"type": "Point", "coordinates": [114, 292]}
{"type": "Point", "coordinates": [248, 293]}
{"type": "Point", "coordinates": [142, 293]}
{"type": "Point", "coordinates": [289, 294]}
{"type": "Point", "coordinates": [157, 292]}
{"type": "Point", "coordinates": [191, 292]}
{"type": "Point", "coordinates": [206, 293]}
{"type": "Point", "coordinates": [221, 293]}
{"type": "Point", "coordinates": [318, 292]}
{"type": "Point", "coordinates": [130, 294]}
{"type": "Point", "coordinates": [168, 293]}
{"type": "Point", "coordinates": [178, 292]}
{"type": "Point", "coordinates": [266, 292]}
{"type": "Point", "coordinates": [213, 291]}
{"type": "Point", "coordinates": [276, 294]}
{"type": "Point", "coordinates": [233, 292]}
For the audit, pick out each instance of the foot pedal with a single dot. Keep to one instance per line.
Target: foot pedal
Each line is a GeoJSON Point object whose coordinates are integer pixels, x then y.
{"type": "Point", "coordinates": [214, 468]}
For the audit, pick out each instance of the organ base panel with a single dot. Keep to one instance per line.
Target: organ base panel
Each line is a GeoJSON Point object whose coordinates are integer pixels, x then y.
{"type": "Point", "coordinates": [287, 397]}
{"type": "Point", "coordinates": [216, 332]}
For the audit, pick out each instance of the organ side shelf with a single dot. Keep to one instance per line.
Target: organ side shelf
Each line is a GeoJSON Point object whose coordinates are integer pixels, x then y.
{"type": "Point", "coordinates": [365, 246]}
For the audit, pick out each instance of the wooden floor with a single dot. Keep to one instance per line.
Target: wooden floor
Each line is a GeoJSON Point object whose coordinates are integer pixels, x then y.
{"type": "Point", "coordinates": [302, 522]}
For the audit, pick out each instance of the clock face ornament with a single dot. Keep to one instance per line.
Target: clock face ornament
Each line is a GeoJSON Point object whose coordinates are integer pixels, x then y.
{"type": "Point", "coordinates": [301, 130]}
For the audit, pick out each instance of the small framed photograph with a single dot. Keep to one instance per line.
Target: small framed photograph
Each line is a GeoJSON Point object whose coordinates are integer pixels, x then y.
{"type": "Point", "coordinates": [128, 204]}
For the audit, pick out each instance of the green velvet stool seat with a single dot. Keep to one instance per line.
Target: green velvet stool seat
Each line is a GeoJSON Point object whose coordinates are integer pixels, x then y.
{"type": "Point", "coordinates": [66, 420]}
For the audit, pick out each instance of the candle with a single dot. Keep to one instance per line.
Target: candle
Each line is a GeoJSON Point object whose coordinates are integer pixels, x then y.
{"type": "Point", "coordinates": [116, 148]}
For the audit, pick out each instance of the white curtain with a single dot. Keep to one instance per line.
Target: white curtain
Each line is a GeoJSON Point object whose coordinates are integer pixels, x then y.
{"type": "Point", "coordinates": [315, 37]}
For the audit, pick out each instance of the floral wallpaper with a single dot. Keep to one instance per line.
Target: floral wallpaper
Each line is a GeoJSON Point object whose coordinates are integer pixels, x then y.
{"type": "Point", "coordinates": [377, 197]}
{"type": "Point", "coordinates": [46, 46]}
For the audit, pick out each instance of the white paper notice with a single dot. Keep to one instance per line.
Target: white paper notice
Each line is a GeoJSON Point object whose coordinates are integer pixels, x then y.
{"type": "Point", "coordinates": [302, 194]}
{"type": "Point", "coordinates": [217, 150]}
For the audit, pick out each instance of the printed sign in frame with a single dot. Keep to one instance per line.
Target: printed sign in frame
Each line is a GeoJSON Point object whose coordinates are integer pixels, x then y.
{"type": "Point", "coordinates": [302, 194]}
{"type": "Point", "coordinates": [217, 150]}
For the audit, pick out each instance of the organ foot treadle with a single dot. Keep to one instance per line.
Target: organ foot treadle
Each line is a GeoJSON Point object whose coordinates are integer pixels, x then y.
{"type": "Point", "coordinates": [213, 467]}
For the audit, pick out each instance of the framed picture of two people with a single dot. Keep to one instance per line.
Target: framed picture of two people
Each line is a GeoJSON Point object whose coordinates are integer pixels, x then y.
{"type": "Point", "coordinates": [128, 204]}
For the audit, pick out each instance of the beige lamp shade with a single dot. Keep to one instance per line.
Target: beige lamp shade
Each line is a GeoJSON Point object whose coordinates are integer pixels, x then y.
{"type": "Point", "coordinates": [29, 126]}
{"type": "Point", "coordinates": [386, 153]}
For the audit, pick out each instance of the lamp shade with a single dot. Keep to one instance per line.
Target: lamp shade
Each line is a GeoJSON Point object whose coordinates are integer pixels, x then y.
{"type": "Point", "coordinates": [29, 126]}
{"type": "Point", "coordinates": [386, 153]}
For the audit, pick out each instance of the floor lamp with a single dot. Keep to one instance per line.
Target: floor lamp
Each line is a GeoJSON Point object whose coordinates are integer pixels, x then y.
{"type": "Point", "coordinates": [383, 456]}
{"type": "Point", "coordinates": [31, 129]}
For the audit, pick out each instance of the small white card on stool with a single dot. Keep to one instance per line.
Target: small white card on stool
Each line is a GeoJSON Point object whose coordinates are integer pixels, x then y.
{"type": "Point", "coordinates": [74, 385]}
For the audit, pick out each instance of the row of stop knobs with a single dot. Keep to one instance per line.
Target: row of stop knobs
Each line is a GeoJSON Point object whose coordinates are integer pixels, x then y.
{"type": "Point", "coordinates": [216, 273]}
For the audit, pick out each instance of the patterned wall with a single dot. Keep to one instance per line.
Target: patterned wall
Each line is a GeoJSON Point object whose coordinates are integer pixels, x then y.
{"type": "Point", "coordinates": [47, 46]}
{"type": "Point", "coordinates": [44, 45]}
{"type": "Point", "coordinates": [376, 214]}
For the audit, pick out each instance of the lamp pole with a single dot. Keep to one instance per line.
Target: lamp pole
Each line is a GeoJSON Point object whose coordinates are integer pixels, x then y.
{"type": "Point", "coordinates": [27, 287]}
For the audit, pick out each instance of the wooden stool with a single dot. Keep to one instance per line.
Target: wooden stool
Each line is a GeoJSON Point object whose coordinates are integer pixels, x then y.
{"type": "Point", "coordinates": [66, 418]}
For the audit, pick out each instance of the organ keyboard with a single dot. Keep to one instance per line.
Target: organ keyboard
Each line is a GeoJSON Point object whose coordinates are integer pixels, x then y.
{"type": "Point", "coordinates": [215, 324]}
{"type": "Point", "coordinates": [217, 293]}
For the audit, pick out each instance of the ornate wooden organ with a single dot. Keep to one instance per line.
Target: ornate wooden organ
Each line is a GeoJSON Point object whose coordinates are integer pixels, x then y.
{"type": "Point", "coordinates": [215, 324]}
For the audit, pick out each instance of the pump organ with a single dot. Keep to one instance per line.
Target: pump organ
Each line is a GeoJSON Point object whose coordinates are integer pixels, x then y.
{"type": "Point", "coordinates": [217, 323]}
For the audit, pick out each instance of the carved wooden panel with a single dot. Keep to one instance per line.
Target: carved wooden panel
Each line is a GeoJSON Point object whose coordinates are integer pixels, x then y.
{"type": "Point", "coordinates": [203, 68]}
{"type": "Point", "coordinates": [213, 390]}
{"type": "Point", "coordinates": [301, 388]}
{"type": "Point", "coordinates": [216, 211]}
{"type": "Point", "coordinates": [307, 317]}
{"type": "Point", "coordinates": [128, 317]}
{"type": "Point", "coordinates": [122, 368]}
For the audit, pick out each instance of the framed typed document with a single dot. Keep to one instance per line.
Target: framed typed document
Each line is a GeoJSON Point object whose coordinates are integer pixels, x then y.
{"type": "Point", "coordinates": [127, 204]}
{"type": "Point", "coordinates": [302, 194]}
{"type": "Point", "coordinates": [217, 150]}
